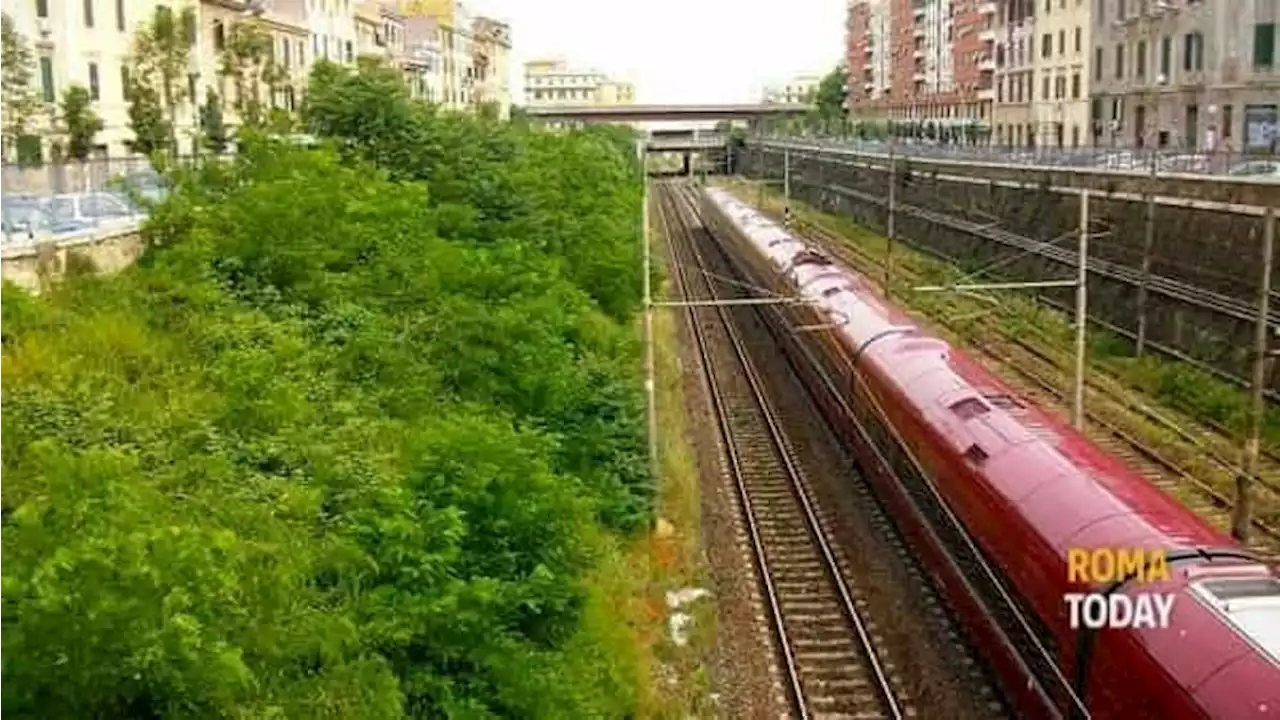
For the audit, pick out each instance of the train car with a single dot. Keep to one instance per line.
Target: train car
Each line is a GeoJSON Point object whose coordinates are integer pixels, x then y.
{"type": "Point", "coordinates": [1001, 496]}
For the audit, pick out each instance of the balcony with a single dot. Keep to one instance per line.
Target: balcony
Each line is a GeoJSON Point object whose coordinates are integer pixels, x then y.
{"type": "Point", "coordinates": [918, 31]}
{"type": "Point", "coordinates": [919, 75]}
{"type": "Point", "coordinates": [918, 53]}
{"type": "Point", "coordinates": [987, 62]}
{"type": "Point", "coordinates": [987, 34]}
{"type": "Point", "coordinates": [987, 8]}
{"type": "Point", "coordinates": [987, 93]}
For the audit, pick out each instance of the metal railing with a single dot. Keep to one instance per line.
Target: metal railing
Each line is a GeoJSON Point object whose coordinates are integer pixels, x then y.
{"type": "Point", "coordinates": [75, 201]}
{"type": "Point", "coordinates": [1253, 164]}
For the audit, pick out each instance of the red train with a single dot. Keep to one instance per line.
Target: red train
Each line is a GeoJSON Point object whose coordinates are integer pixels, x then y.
{"type": "Point", "coordinates": [999, 496]}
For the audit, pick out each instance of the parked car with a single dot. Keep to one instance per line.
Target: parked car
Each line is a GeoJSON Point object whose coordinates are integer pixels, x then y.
{"type": "Point", "coordinates": [27, 220]}
{"type": "Point", "coordinates": [147, 183]}
{"type": "Point", "coordinates": [101, 209]}
{"type": "Point", "coordinates": [1265, 170]}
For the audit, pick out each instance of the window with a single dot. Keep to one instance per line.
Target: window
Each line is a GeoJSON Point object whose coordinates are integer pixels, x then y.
{"type": "Point", "coordinates": [46, 79]}
{"type": "Point", "coordinates": [1193, 52]}
{"type": "Point", "coordinates": [88, 13]}
{"type": "Point", "coordinates": [1264, 45]}
{"type": "Point", "coordinates": [1140, 59]}
{"type": "Point", "coordinates": [120, 24]}
{"type": "Point", "coordinates": [94, 92]}
{"type": "Point", "coordinates": [1077, 50]}
{"type": "Point", "coordinates": [42, 8]}
{"type": "Point", "coordinates": [1119, 61]}
{"type": "Point", "coordinates": [191, 86]}
{"type": "Point", "coordinates": [1097, 63]}
{"type": "Point", "coordinates": [219, 36]}
{"type": "Point", "coordinates": [1227, 121]}
{"type": "Point", "coordinates": [1075, 136]}
{"type": "Point", "coordinates": [1120, 9]}
{"type": "Point", "coordinates": [1046, 45]}
{"type": "Point", "coordinates": [124, 82]}
{"type": "Point", "coordinates": [1062, 41]}
{"type": "Point", "coordinates": [1048, 5]}
{"type": "Point", "coordinates": [1075, 85]}
{"type": "Point", "coordinates": [1166, 56]}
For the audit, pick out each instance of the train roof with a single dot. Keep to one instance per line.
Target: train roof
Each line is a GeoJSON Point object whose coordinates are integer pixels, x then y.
{"type": "Point", "coordinates": [1074, 493]}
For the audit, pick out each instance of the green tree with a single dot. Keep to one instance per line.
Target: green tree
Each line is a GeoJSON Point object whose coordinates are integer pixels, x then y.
{"type": "Point", "coordinates": [18, 96]}
{"type": "Point", "coordinates": [161, 59]}
{"type": "Point", "coordinates": [152, 133]}
{"type": "Point", "coordinates": [348, 442]}
{"type": "Point", "coordinates": [212, 127]}
{"type": "Point", "coordinates": [82, 124]}
{"type": "Point", "coordinates": [247, 59]}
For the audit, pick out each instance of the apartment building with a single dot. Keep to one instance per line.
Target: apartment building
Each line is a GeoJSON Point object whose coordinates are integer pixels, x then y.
{"type": "Point", "coordinates": [555, 82]}
{"type": "Point", "coordinates": [422, 63]}
{"type": "Point", "coordinates": [88, 43]}
{"type": "Point", "coordinates": [798, 89]}
{"type": "Point", "coordinates": [1185, 74]}
{"type": "Point", "coordinates": [1013, 122]}
{"type": "Point", "coordinates": [1060, 108]}
{"type": "Point", "coordinates": [492, 50]}
{"type": "Point", "coordinates": [456, 35]}
{"type": "Point", "coordinates": [918, 60]}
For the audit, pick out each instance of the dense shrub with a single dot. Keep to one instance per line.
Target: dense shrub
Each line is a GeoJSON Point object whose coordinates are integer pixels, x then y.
{"type": "Point", "coordinates": [345, 443]}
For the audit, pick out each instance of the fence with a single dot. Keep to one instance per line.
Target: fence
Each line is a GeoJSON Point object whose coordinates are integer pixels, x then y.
{"type": "Point", "coordinates": [73, 177]}
{"type": "Point", "coordinates": [1163, 160]}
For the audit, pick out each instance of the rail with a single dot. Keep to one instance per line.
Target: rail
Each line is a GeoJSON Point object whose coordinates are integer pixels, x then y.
{"type": "Point", "coordinates": [790, 549]}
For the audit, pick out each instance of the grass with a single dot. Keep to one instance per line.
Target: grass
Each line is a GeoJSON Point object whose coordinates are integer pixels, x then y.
{"type": "Point", "coordinates": [1176, 385]}
{"type": "Point", "coordinates": [673, 681]}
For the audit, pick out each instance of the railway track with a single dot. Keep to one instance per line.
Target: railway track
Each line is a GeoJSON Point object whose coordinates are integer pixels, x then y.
{"type": "Point", "coordinates": [855, 619]}
{"type": "Point", "coordinates": [1038, 375]}
{"type": "Point", "coordinates": [828, 656]}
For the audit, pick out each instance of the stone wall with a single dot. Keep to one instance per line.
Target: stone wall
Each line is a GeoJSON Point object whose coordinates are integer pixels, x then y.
{"type": "Point", "coordinates": [34, 267]}
{"type": "Point", "coordinates": [1205, 264]}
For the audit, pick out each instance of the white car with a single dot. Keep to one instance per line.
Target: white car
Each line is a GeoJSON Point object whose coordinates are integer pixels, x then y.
{"type": "Point", "coordinates": [100, 209]}
{"type": "Point", "coordinates": [1264, 170]}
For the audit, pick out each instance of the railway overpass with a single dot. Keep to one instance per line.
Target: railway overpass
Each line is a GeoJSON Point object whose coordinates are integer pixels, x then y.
{"type": "Point", "coordinates": [649, 113]}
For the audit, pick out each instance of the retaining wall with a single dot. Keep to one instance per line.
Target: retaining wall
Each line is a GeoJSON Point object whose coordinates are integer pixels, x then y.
{"type": "Point", "coordinates": [33, 267]}
{"type": "Point", "coordinates": [1204, 259]}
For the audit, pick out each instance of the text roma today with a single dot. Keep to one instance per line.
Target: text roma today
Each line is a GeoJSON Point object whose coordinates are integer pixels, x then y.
{"type": "Point", "coordinates": [1119, 611]}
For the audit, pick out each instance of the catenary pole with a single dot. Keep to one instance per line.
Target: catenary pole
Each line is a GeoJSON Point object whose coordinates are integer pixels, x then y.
{"type": "Point", "coordinates": [1082, 313]}
{"type": "Point", "coordinates": [650, 387]}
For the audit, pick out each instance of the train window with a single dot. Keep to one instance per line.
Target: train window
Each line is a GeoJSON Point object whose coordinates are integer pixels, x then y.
{"type": "Point", "coordinates": [976, 454]}
{"type": "Point", "coordinates": [832, 291]}
{"type": "Point", "coordinates": [969, 408]}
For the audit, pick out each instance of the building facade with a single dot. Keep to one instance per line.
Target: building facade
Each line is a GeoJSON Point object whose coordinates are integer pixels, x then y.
{"type": "Point", "coordinates": [920, 61]}
{"type": "Point", "coordinates": [555, 82]}
{"type": "Point", "coordinates": [422, 64]}
{"type": "Point", "coordinates": [1185, 74]}
{"type": "Point", "coordinates": [1060, 109]}
{"type": "Point", "coordinates": [492, 50]}
{"type": "Point", "coordinates": [89, 44]}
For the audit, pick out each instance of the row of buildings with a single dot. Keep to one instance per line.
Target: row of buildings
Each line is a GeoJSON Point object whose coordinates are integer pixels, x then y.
{"type": "Point", "coordinates": [1201, 74]}
{"type": "Point", "coordinates": [447, 55]}
{"type": "Point", "coordinates": [552, 83]}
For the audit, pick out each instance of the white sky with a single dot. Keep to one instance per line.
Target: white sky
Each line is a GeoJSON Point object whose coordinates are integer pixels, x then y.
{"type": "Point", "coordinates": [676, 51]}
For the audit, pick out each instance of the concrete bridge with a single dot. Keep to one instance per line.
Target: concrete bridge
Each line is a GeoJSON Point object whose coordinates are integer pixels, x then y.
{"type": "Point", "coordinates": [639, 113]}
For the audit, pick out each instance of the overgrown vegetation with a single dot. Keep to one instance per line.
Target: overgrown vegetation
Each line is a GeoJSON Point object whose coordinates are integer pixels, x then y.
{"type": "Point", "coordinates": [358, 437]}
{"type": "Point", "coordinates": [18, 97]}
